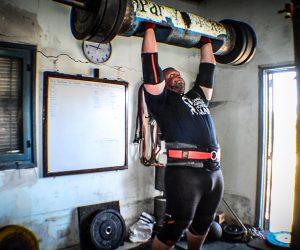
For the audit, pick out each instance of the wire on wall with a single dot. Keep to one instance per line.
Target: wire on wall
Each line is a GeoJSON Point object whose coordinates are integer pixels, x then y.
{"type": "Point", "coordinates": [118, 68]}
{"type": "Point", "coordinates": [59, 55]}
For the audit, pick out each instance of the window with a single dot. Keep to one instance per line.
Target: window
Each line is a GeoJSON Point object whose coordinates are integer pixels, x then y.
{"type": "Point", "coordinates": [17, 76]}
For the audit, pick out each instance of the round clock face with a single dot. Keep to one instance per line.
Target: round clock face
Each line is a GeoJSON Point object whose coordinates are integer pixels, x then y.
{"type": "Point", "coordinates": [96, 52]}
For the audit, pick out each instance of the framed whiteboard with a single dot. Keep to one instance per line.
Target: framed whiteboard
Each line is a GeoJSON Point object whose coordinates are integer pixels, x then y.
{"type": "Point", "coordinates": [84, 124]}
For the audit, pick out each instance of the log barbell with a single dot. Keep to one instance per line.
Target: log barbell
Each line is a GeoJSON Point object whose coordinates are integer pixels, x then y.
{"type": "Point", "coordinates": [234, 42]}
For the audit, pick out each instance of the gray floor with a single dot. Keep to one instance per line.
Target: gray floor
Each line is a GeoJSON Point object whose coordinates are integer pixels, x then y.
{"type": "Point", "coordinates": [217, 245]}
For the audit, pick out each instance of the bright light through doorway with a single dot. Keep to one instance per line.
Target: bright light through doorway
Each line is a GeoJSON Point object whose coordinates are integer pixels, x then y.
{"type": "Point", "coordinates": [283, 157]}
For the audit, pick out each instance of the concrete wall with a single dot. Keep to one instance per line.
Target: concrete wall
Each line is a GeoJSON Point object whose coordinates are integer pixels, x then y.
{"type": "Point", "coordinates": [48, 205]}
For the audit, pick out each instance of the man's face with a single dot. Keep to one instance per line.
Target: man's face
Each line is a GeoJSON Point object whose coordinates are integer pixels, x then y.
{"type": "Point", "coordinates": [174, 81]}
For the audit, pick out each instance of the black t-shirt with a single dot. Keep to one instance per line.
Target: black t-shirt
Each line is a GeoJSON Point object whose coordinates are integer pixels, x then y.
{"type": "Point", "coordinates": [183, 118]}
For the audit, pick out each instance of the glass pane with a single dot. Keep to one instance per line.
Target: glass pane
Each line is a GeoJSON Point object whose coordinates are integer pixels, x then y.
{"type": "Point", "coordinates": [10, 106]}
{"type": "Point", "coordinates": [284, 151]}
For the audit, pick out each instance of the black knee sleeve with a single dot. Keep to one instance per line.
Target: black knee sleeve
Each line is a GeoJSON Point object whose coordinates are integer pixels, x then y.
{"type": "Point", "coordinates": [172, 231]}
{"type": "Point", "coordinates": [201, 224]}
{"type": "Point", "coordinates": [152, 72]}
{"type": "Point", "coordinates": [205, 76]}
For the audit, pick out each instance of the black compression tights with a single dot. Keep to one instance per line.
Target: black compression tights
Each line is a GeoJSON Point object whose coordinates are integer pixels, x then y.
{"type": "Point", "coordinates": [193, 196]}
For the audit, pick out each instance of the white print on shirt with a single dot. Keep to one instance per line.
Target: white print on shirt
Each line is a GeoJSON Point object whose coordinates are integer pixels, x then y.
{"type": "Point", "coordinates": [197, 106]}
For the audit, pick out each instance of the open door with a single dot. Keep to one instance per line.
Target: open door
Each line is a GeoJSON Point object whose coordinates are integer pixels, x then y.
{"type": "Point", "coordinates": [278, 144]}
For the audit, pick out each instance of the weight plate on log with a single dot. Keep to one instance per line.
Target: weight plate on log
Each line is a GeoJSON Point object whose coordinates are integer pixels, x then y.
{"type": "Point", "coordinates": [233, 232]}
{"type": "Point", "coordinates": [108, 22]}
{"type": "Point", "coordinates": [280, 240]}
{"type": "Point", "coordinates": [119, 21]}
{"type": "Point", "coordinates": [107, 229]}
{"type": "Point", "coordinates": [248, 45]}
{"type": "Point", "coordinates": [85, 22]}
{"type": "Point", "coordinates": [251, 45]}
{"type": "Point", "coordinates": [239, 46]}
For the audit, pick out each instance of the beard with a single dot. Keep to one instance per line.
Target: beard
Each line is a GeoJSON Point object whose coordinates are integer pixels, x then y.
{"type": "Point", "coordinates": [179, 86]}
{"type": "Point", "coordinates": [176, 85]}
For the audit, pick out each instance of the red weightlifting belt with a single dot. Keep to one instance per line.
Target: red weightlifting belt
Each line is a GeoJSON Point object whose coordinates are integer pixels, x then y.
{"type": "Point", "coordinates": [194, 155]}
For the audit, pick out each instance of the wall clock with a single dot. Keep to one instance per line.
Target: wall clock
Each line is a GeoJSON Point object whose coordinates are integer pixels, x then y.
{"type": "Point", "coordinates": [96, 52]}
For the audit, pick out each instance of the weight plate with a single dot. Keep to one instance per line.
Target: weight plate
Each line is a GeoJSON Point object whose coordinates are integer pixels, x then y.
{"type": "Point", "coordinates": [251, 44]}
{"type": "Point", "coordinates": [108, 22]}
{"type": "Point", "coordinates": [279, 240]}
{"type": "Point", "coordinates": [119, 21]}
{"type": "Point", "coordinates": [239, 46]}
{"type": "Point", "coordinates": [16, 237]}
{"type": "Point", "coordinates": [85, 22]}
{"type": "Point", "coordinates": [101, 16]}
{"type": "Point", "coordinates": [248, 46]}
{"type": "Point", "coordinates": [233, 232]}
{"type": "Point", "coordinates": [107, 229]}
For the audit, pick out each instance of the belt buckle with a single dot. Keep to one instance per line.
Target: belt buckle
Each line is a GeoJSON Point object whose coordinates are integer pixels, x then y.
{"type": "Point", "coordinates": [185, 154]}
{"type": "Point", "coordinates": [214, 155]}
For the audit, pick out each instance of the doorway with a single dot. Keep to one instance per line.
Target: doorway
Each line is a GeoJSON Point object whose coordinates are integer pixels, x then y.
{"type": "Point", "coordinates": [278, 114]}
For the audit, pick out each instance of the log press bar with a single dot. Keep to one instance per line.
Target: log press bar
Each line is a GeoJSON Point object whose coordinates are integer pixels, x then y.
{"type": "Point", "coordinates": [234, 42]}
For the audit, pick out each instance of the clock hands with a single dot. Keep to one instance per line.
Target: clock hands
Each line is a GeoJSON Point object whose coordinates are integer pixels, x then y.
{"type": "Point", "coordinates": [89, 45]}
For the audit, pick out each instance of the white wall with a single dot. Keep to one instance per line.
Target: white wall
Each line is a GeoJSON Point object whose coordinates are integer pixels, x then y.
{"type": "Point", "coordinates": [48, 205]}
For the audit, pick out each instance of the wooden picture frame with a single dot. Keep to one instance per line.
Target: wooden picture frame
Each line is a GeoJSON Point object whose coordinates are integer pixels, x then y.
{"type": "Point", "coordinates": [84, 124]}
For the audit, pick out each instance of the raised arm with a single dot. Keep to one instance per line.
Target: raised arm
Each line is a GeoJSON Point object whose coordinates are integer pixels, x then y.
{"type": "Point", "coordinates": [153, 77]}
{"type": "Point", "coordinates": [205, 78]}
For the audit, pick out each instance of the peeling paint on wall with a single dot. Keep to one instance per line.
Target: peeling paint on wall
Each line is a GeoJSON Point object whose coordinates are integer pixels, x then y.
{"type": "Point", "coordinates": [241, 205]}
{"type": "Point", "coordinates": [59, 228]}
{"type": "Point", "coordinates": [20, 24]}
{"type": "Point", "coordinates": [18, 178]}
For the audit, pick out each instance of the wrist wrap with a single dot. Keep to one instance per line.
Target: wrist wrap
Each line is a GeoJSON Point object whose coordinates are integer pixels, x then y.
{"type": "Point", "coordinates": [204, 40]}
{"type": "Point", "coordinates": [149, 26]}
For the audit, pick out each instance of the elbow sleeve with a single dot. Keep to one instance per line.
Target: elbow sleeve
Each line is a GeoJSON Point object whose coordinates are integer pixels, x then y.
{"type": "Point", "coordinates": [152, 72]}
{"type": "Point", "coordinates": [205, 76]}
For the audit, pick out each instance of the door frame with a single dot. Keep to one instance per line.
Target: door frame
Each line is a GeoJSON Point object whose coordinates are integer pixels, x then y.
{"type": "Point", "coordinates": [265, 142]}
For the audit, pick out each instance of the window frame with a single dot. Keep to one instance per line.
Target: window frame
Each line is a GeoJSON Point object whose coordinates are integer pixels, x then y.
{"type": "Point", "coordinates": [27, 54]}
